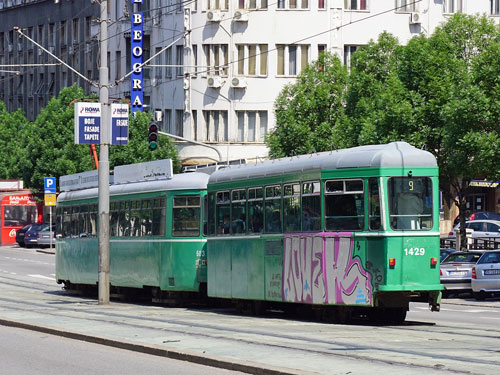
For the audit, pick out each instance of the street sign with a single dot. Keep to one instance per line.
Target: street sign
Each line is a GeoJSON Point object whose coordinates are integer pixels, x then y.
{"type": "Point", "coordinates": [119, 124]}
{"type": "Point", "coordinates": [49, 185]}
{"type": "Point", "coordinates": [87, 123]}
{"type": "Point", "coordinates": [50, 199]}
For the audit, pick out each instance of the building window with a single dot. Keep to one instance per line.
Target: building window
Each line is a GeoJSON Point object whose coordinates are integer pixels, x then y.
{"type": "Point", "coordinates": [158, 61]}
{"type": "Point", "coordinates": [252, 4]}
{"type": "Point", "coordinates": [356, 4]}
{"type": "Point", "coordinates": [321, 4]}
{"type": "Point", "coordinates": [216, 58]}
{"type": "Point", "coordinates": [195, 60]}
{"type": "Point", "coordinates": [293, 4]}
{"type": "Point", "coordinates": [216, 126]}
{"type": "Point", "coordinates": [118, 65]}
{"type": "Point", "coordinates": [179, 122]}
{"type": "Point", "coordinates": [252, 126]}
{"type": "Point", "coordinates": [406, 6]}
{"type": "Point", "coordinates": [452, 6]}
{"type": "Point", "coordinates": [495, 7]}
{"type": "Point", "coordinates": [168, 121]}
{"type": "Point", "coordinates": [252, 59]}
{"type": "Point", "coordinates": [292, 59]}
{"type": "Point", "coordinates": [348, 52]}
{"type": "Point", "coordinates": [179, 60]}
{"type": "Point", "coordinates": [75, 30]}
{"type": "Point", "coordinates": [168, 62]}
{"type": "Point", "coordinates": [217, 4]}
{"type": "Point", "coordinates": [194, 127]}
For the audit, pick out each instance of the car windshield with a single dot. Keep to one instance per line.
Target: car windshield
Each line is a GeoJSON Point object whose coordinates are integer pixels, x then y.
{"type": "Point", "coordinates": [37, 227]}
{"type": "Point", "coordinates": [490, 258]}
{"type": "Point", "coordinates": [462, 258]}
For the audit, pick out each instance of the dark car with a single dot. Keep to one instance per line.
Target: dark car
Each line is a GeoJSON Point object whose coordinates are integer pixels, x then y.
{"type": "Point", "coordinates": [31, 236]}
{"type": "Point", "coordinates": [444, 253]}
{"type": "Point", "coordinates": [21, 233]}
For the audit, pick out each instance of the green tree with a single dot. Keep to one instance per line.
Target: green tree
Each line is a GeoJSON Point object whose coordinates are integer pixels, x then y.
{"type": "Point", "coordinates": [308, 110]}
{"type": "Point", "coordinates": [12, 127]}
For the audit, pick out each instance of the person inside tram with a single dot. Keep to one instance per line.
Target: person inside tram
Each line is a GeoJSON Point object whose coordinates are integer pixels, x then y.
{"type": "Point", "coordinates": [410, 206]}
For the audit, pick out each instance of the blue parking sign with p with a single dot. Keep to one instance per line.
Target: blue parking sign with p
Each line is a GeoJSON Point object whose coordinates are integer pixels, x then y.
{"type": "Point", "coordinates": [49, 185]}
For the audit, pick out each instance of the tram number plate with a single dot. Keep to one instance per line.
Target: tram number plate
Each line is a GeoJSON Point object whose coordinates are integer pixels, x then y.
{"type": "Point", "coordinates": [415, 251]}
{"type": "Point", "coordinates": [492, 272]}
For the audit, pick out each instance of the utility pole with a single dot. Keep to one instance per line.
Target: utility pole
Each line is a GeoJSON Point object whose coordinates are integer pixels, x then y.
{"type": "Point", "coordinates": [103, 206]}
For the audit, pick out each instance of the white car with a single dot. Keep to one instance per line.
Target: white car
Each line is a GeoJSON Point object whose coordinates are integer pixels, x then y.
{"type": "Point", "coordinates": [481, 229]}
{"type": "Point", "coordinates": [486, 275]}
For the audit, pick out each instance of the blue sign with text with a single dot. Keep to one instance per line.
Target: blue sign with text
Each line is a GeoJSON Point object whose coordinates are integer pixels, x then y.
{"type": "Point", "coordinates": [49, 185]}
{"type": "Point", "coordinates": [136, 60]}
{"type": "Point", "coordinates": [119, 124]}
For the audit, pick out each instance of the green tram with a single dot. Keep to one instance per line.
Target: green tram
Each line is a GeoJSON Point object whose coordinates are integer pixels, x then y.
{"type": "Point", "coordinates": [156, 237]}
{"type": "Point", "coordinates": [341, 232]}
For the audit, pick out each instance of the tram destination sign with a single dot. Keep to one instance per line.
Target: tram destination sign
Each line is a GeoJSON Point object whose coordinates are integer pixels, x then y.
{"type": "Point", "coordinates": [87, 123]}
{"type": "Point", "coordinates": [151, 170]}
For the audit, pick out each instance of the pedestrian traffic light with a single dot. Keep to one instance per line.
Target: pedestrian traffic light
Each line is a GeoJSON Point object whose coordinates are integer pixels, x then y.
{"type": "Point", "coordinates": [153, 136]}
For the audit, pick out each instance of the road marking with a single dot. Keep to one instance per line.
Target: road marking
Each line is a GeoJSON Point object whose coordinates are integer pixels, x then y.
{"type": "Point", "coordinates": [42, 277]}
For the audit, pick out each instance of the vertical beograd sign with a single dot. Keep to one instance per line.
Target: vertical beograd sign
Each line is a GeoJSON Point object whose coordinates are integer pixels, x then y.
{"type": "Point", "coordinates": [136, 53]}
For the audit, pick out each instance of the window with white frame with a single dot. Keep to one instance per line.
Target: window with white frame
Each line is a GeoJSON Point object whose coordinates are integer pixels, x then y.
{"type": "Point", "coordinates": [216, 59]}
{"type": "Point", "coordinates": [348, 52]}
{"type": "Point", "coordinates": [495, 7]}
{"type": "Point", "coordinates": [179, 122]}
{"type": "Point", "coordinates": [252, 126]}
{"type": "Point", "coordinates": [252, 4]}
{"type": "Point", "coordinates": [252, 59]}
{"type": "Point", "coordinates": [452, 6]}
{"type": "Point", "coordinates": [195, 61]}
{"type": "Point", "coordinates": [215, 126]}
{"type": "Point", "coordinates": [179, 60]}
{"type": "Point", "coordinates": [292, 59]}
{"type": "Point", "coordinates": [356, 4]}
{"type": "Point", "coordinates": [406, 6]}
{"type": "Point", "coordinates": [321, 4]}
{"type": "Point", "coordinates": [217, 4]}
{"type": "Point", "coordinates": [293, 4]}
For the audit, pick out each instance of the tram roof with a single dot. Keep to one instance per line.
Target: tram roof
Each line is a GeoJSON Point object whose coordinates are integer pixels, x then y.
{"type": "Point", "coordinates": [185, 181]}
{"type": "Point", "coordinates": [395, 154]}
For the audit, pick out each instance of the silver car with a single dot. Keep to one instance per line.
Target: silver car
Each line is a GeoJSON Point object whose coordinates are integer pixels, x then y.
{"type": "Point", "coordinates": [481, 229]}
{"type": "Point", "coordinates": [486, 275]}
{"type": "Point", "coordinates": [456, 271]}
{"type": "Point", "coordinates": [44, 235]}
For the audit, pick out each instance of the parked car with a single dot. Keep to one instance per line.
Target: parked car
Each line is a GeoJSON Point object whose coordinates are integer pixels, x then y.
{"type": "Point", "coordinates": [481, 229]}
{"type": "Point", "coordinates": [44, 237]}
{"type": "Point", "coordinates": [456, 271]}
{"type": "Point", "coordinates": [444, 253]}
{"type": "Point", "coordinates": [31, 236]}
{"type": "Point", "coordinates": [21, 233]}
{"type": "Point", "coordinates": [486, 275]}
{"type": "Point", "coordinates": [480, 215]}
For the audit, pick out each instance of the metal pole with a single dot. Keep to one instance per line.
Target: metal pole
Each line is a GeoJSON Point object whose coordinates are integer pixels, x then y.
{"type": "Point", "coordinates": [50, 227]}
{"type": "Point", "coordinates": [103, 189]}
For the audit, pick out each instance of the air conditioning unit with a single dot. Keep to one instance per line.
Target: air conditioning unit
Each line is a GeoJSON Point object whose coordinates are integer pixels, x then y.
{"type": "Point", "coordinates": [239, 83]}
{"type": "Point", "coordinates": [415, 18]}
{"type": "Point", "coordinates": [240, 16]}
{"type": "Point", "coordinates": [214, 16]}
{"type": "Point", "coordinates": [11, 47]}
{"type": "Point", "coordinates": [185, 85]}
{"type": "Point", "coordinates": [214, 82]}
{"type": "Point", "coordinates": [71, 50]}
{"type": "Point", "coordinates": [52, 49]}
{"type": "Point", "coordinates": [19, 47]}
{"type": "Point", "coordinates": [158, 115]}
{"type": "Point", "coordinates": [155, 82]}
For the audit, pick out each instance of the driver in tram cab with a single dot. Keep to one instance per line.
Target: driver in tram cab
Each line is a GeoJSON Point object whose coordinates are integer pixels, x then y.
{"type": "Point", "coordinates": [410, 206]}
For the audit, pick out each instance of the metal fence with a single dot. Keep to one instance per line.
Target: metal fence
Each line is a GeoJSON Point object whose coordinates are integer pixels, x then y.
{"type": "Point", "coordinates": [473, 243]}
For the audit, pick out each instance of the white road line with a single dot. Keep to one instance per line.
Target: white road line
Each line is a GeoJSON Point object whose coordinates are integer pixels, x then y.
{"type": "Point", "coordinates": [42, 277]}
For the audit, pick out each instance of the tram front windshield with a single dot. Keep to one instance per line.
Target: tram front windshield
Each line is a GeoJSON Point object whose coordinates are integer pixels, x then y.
{"type": "Point", "coordinates": [410, 203]}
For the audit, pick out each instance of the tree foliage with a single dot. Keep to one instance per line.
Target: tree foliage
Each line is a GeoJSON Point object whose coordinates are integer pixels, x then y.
{"type": "Point", "coordinates": [441, 93]}
{"type": "Point", "coordinates": [11, 128]}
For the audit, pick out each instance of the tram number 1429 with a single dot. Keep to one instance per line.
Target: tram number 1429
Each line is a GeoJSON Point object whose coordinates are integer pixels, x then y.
{"type": "Point", "coordinates": [415, 251]}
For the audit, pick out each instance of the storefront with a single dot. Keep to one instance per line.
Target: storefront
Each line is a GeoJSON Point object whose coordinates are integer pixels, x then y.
{"type": "Point", "coordinates": [17, 209]}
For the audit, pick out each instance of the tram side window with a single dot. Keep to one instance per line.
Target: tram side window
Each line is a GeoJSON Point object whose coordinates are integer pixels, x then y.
{"type": "Point", "coordinates": [410, 203]}
{"type": "Point", "coordinates": [238, 211]}
{"type": "Point", "coordinates": [83, 221]}
{"type": "Point", "coordinates": [59, 221]}
{"type": "Point", "coordinates": [344, 205]}
{"type": "Point", "coordinates": [311, 206]}
{"type": "Point", "coordinates": [273, 209]}
{"type": "Point", "coordinates": [374, 204]}
{"type": "Point", "coordinates": [159, 217]}
{"type": "Point", "coordinates": [74, 221]}
{"type": "Point", "coordinates": [114, 211]}
{"type": "Point", "coordinates": [66, 221]}
{"type": "Point", "coordinates": [211, 214]}
{"type": "Point", "coordinates": [222, 212]}
{"type": "Point", "coordinates": [186, 214]}
{"type": "Point", "coordinates": [255, 210]}
{"type": "Point", "coordinates": [291, 208]}
{"type": "Point", "coordinates": [124, 219]}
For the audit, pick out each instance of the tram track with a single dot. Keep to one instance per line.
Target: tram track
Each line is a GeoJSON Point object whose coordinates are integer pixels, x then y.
{"type": "Point", "coordinates": [301, 345]}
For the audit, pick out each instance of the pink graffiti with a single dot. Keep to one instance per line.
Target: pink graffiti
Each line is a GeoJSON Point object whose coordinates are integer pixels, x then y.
{"type": "Point", "coordinates": [319, 268]}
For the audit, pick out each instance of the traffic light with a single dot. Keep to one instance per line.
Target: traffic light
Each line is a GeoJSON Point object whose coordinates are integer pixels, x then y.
{"type": "Point", "coordinates": [153, 136]}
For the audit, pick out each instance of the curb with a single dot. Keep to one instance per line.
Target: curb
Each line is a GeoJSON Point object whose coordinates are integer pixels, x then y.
{"type": "Point", "coordinates": [206, 360]}
{"type": "Point", "coordinates": [52, 252]}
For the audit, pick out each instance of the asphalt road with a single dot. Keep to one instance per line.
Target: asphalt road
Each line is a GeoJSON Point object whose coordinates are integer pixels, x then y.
{"type": "Point", "coordinates": [24, 352]}
{"type": "Point", "coordinates": [461, 339]}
